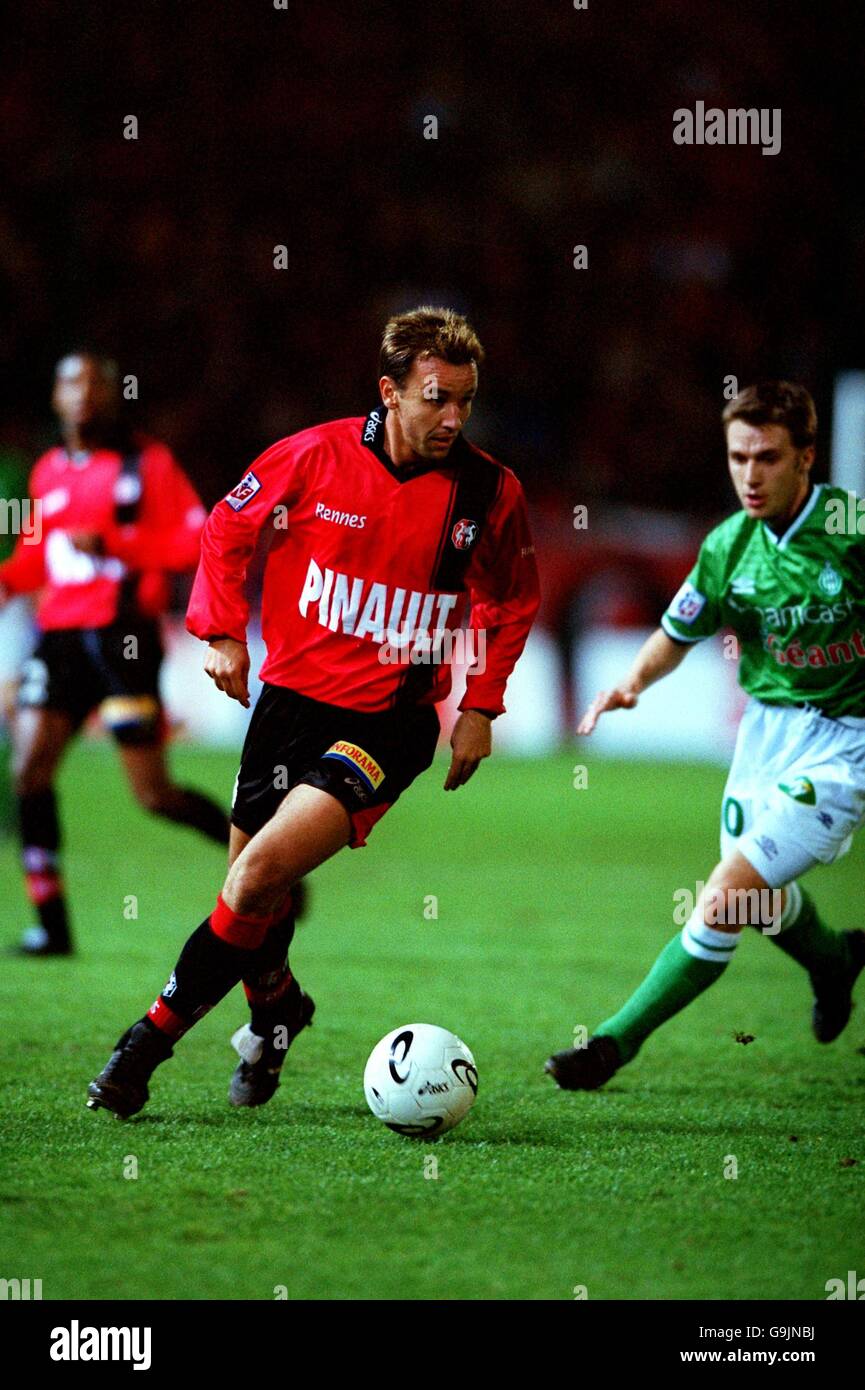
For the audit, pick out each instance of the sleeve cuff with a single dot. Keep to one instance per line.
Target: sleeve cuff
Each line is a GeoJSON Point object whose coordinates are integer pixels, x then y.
{"type": "Point", "coordinates": [677, 636]}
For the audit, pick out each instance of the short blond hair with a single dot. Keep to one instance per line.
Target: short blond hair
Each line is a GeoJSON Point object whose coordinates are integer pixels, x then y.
{"type": "Point", "coordinates": [427, 332]}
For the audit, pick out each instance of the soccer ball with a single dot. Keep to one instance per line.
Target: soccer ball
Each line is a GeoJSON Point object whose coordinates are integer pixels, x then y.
{"type": "Point", "coordinates": [420, 1080]}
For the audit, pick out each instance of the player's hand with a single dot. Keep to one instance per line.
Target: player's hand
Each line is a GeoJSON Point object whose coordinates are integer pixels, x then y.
{"type": "Point", "coordinates": [88, 542]}
{"type": "Point", "coordinates": [602, 703]}
{"type": "Point", "coordinates": [4, 596]}
{"type": "Point", "coordinates": [471, 740]}
{"type": "Point", "coordinates": [227, 665]}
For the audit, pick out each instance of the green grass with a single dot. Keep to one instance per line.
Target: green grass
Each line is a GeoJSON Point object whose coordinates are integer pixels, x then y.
{"type": "Point", "coordinates": [552, 904]}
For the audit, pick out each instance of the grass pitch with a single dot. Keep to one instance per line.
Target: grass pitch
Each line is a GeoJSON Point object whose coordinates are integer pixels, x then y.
{"type": "Point", "coordinates": [552, 903]}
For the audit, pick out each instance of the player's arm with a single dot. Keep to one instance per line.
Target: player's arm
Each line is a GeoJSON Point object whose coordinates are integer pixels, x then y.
{"type": "Point", "coordinates": [658, 656]}
{"type": "Point", "coordinates": [505, 595]}
{"type": "Point", "coordinates": [693, 615]}
{"type": "Point", "coordinates": [218, 609]}
{"type": "Point", "coordinates": [167, 532]}
{"type": "Point", "coordinates": [24, 571]}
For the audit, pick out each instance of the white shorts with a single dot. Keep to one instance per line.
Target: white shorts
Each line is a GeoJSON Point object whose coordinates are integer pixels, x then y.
{"type": "Point", "coordinates": [796, 790]}
{"type": "Point", "coordinates": [18, 637]}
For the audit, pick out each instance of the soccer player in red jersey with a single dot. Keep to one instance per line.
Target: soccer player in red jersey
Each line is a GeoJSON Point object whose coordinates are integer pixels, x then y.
{"type": "Point", "coordinates": [110, 514]}
{"type": "Point", "coordinates": [384, 531]}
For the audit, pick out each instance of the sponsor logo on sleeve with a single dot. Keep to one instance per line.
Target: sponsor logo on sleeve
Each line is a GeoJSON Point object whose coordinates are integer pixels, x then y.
{"type": "Point", "coordinates": [244, 492]}
{"type": "Point", "coordinates": [687, 605]}
{"type": "Point", "coordinates": [359, 761]}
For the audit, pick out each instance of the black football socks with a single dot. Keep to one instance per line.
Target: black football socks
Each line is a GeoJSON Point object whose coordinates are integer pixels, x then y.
{"type": "Point", "coordinates": [40, 852]}
{"type": "Point", "coordinates": [267, 978]}
{"type": "Point", "coordinates": [211, 963]}
{"type": "Point", "coordinates": [192, 808]}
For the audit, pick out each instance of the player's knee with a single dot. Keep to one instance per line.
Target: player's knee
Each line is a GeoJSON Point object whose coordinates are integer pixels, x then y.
{"type": "Point", "coordinates": [731, 905]}
{"type": "Point", "coordinates": [256, 884]}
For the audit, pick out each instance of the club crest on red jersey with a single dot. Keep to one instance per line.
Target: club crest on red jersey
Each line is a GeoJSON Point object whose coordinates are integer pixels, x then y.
{"type": "Point", "coordinates": [464, 534]}
{"type": "Point", "coordinates": [244, 492]}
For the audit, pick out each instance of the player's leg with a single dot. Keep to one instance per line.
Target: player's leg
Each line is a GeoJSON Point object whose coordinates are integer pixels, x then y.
{"type": "Point", "coordinates": [146, 768]}
{"type": "Point", "coordinates": [833, 960]}
{"type": "Point", "coordinates": [308, 828]}
{"type": "Point", "coordinates": [39, 738]}
{"type": "Point", "coordinates": [734, 896]}
{"type": "Point", "coordinates": [366, 767]}
{"type": "Point", "coordinates": [127, 658]}
{"type": "Point", "coordinates": [279, 1008]}
{"type": "Point", "coordinates": [346, 771]}
{"type": "Point", "coordinates": [812, 802]}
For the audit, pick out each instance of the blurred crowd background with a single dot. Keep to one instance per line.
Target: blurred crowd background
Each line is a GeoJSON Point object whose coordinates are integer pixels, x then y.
{"type": "Point", "coordinates": [304, 126]}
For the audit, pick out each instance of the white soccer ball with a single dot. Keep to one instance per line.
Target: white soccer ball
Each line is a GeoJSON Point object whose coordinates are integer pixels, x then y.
{"type": "Point", "coordinates": [420, 1080]}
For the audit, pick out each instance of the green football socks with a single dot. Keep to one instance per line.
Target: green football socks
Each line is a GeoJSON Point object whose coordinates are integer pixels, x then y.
{"type": "Point", "coordinates": [806, 938]}
{"type": "Point", "coordinates": [687, 965]}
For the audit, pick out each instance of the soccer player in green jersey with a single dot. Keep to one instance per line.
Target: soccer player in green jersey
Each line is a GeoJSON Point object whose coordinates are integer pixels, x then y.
{"type": "Point", "coordinates": [789, 578]}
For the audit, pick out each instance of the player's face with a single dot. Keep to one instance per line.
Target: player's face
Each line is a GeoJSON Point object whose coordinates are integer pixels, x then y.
{"type": "Point", "coordinates": [769, 473]}
{"type": "Point", "coordinates": [83, 395]}
{"type": "Point", "coordinates": [433, 405]}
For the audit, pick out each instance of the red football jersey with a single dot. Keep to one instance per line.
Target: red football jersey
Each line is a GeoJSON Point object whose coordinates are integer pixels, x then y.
{"type": "Point", "coordinates": [371, 568]}
{"type": "Point", "coordinates": [88, 493]}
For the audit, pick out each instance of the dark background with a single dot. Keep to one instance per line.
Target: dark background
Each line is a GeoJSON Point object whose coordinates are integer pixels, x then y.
{"type": "Point", "coordinates": [305, 127]}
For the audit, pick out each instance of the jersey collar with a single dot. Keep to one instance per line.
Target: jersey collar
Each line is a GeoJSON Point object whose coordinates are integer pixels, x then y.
{"type": "Point", "coordinates": [76, 458]}
{"type": "Point", "coordinates": [372, 437]}
{"type": "Point", "coordinates": [781, 541]}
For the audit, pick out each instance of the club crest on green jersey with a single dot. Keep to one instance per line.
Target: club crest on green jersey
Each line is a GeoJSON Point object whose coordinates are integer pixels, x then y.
{"type": "Point", "coordinates": [830, 580]}
{"type": "Point", "coordinates": [800, 790]}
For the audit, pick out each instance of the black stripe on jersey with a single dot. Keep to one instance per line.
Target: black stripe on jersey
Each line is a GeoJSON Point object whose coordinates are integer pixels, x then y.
{"type": "Point", "coordinates": [478, 485]}
{"type": "Point", "coordinates": [127, 490]}
{"type": "Point", "coordinates": [445, 531]}
{"type": "Point", "coordinates": [372, 438]}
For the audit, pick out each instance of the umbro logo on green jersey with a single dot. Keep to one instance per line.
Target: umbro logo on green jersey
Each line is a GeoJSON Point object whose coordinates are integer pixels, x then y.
{"type": "Point", "coordinates": [800, 790]}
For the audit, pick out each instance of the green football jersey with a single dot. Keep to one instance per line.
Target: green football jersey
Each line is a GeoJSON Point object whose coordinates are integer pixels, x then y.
{"type": "Point", "coordinates": [796, 602]}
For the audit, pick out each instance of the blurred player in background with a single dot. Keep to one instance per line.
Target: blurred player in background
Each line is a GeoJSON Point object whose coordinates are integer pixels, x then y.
{"type": "Point", "coordinates": [16, 628]}
{"type": "Point", "coordinates": [788, 576]}
{"type": "Point", "coordinates": [111, 515]}
{"type": "Point", "coordinates": [384, 529]}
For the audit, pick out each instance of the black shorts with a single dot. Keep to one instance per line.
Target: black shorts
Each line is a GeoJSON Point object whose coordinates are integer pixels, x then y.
{"type": "Point", "coordinates": [74, 670]}
{"type": "Point", "coordinates": [365, 760]}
